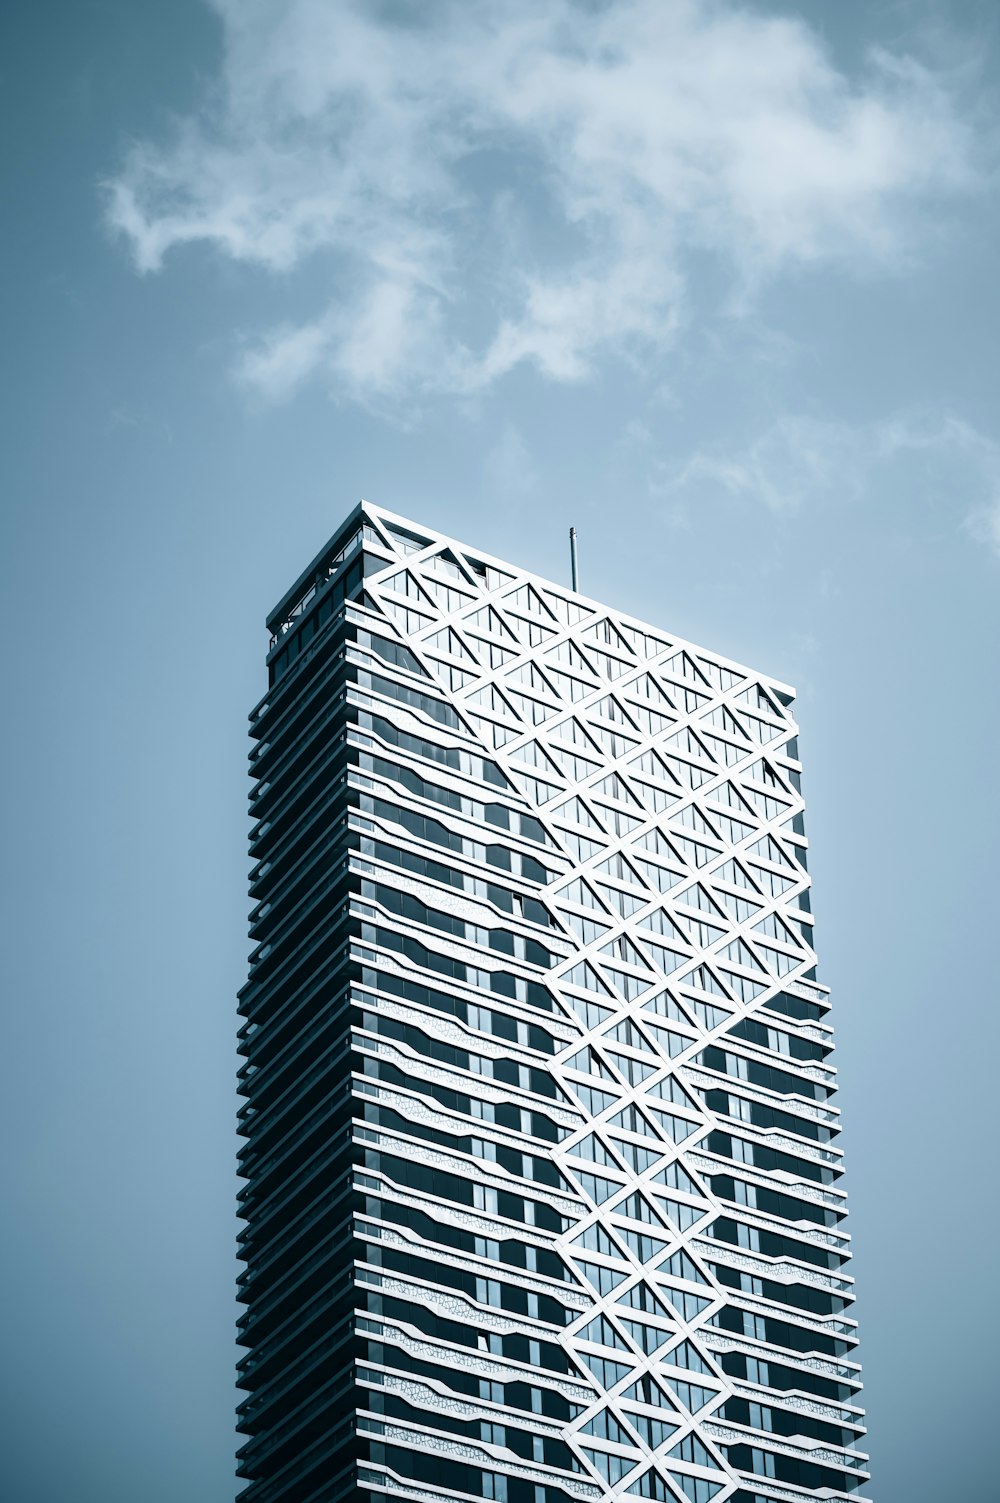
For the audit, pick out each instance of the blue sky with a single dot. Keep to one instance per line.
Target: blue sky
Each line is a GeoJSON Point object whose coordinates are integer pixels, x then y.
{"type": "Point", "coordinates": [716, 284]}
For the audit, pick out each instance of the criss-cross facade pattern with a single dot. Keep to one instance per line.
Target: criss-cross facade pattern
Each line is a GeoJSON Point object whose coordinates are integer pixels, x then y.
{"type": "Point", "coordinates": [543, 1197]}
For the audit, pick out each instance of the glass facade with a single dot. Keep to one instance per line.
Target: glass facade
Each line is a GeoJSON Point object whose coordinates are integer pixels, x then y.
{"type": "Point", "coordinates": [542, 1195]}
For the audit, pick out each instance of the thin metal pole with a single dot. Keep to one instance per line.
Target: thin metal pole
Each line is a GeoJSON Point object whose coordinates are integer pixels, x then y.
{"type": "Point", "coordinates": [574, 569]}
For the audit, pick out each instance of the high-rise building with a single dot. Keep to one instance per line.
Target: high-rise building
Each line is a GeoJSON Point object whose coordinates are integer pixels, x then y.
{"type": "Point", "coordinates": [542, 1191]}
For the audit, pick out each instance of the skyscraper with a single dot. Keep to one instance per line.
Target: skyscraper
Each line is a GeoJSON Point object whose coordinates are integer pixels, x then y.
{"type": "Point", "coordinates": [542, 1194]}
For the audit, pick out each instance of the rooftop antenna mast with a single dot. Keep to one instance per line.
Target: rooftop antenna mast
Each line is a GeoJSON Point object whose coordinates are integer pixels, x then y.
{"type": "Point", "coordinates": [574, 567]}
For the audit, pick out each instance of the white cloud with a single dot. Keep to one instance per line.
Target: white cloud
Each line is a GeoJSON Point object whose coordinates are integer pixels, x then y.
{"type": "Point", "coordinates": [800, 460]}
{"type": "Point", "coordinates": [633, 136]}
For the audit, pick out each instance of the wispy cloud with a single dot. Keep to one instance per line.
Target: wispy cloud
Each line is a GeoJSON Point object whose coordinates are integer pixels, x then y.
{"type": "Point", "coordinates": [792, 460]}
{"type": "Point", "coordinates": [508, 467]}
{"type": "Point", "coordinates": [388, 141]}
{"type": "Point", "coordinates": [799, 460]}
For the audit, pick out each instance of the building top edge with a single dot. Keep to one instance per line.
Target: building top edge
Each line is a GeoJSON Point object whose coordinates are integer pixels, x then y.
{"type": "Point", "coordinates": [353, 519]}
{"type": "Point", "coordinates": [368, 510]}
